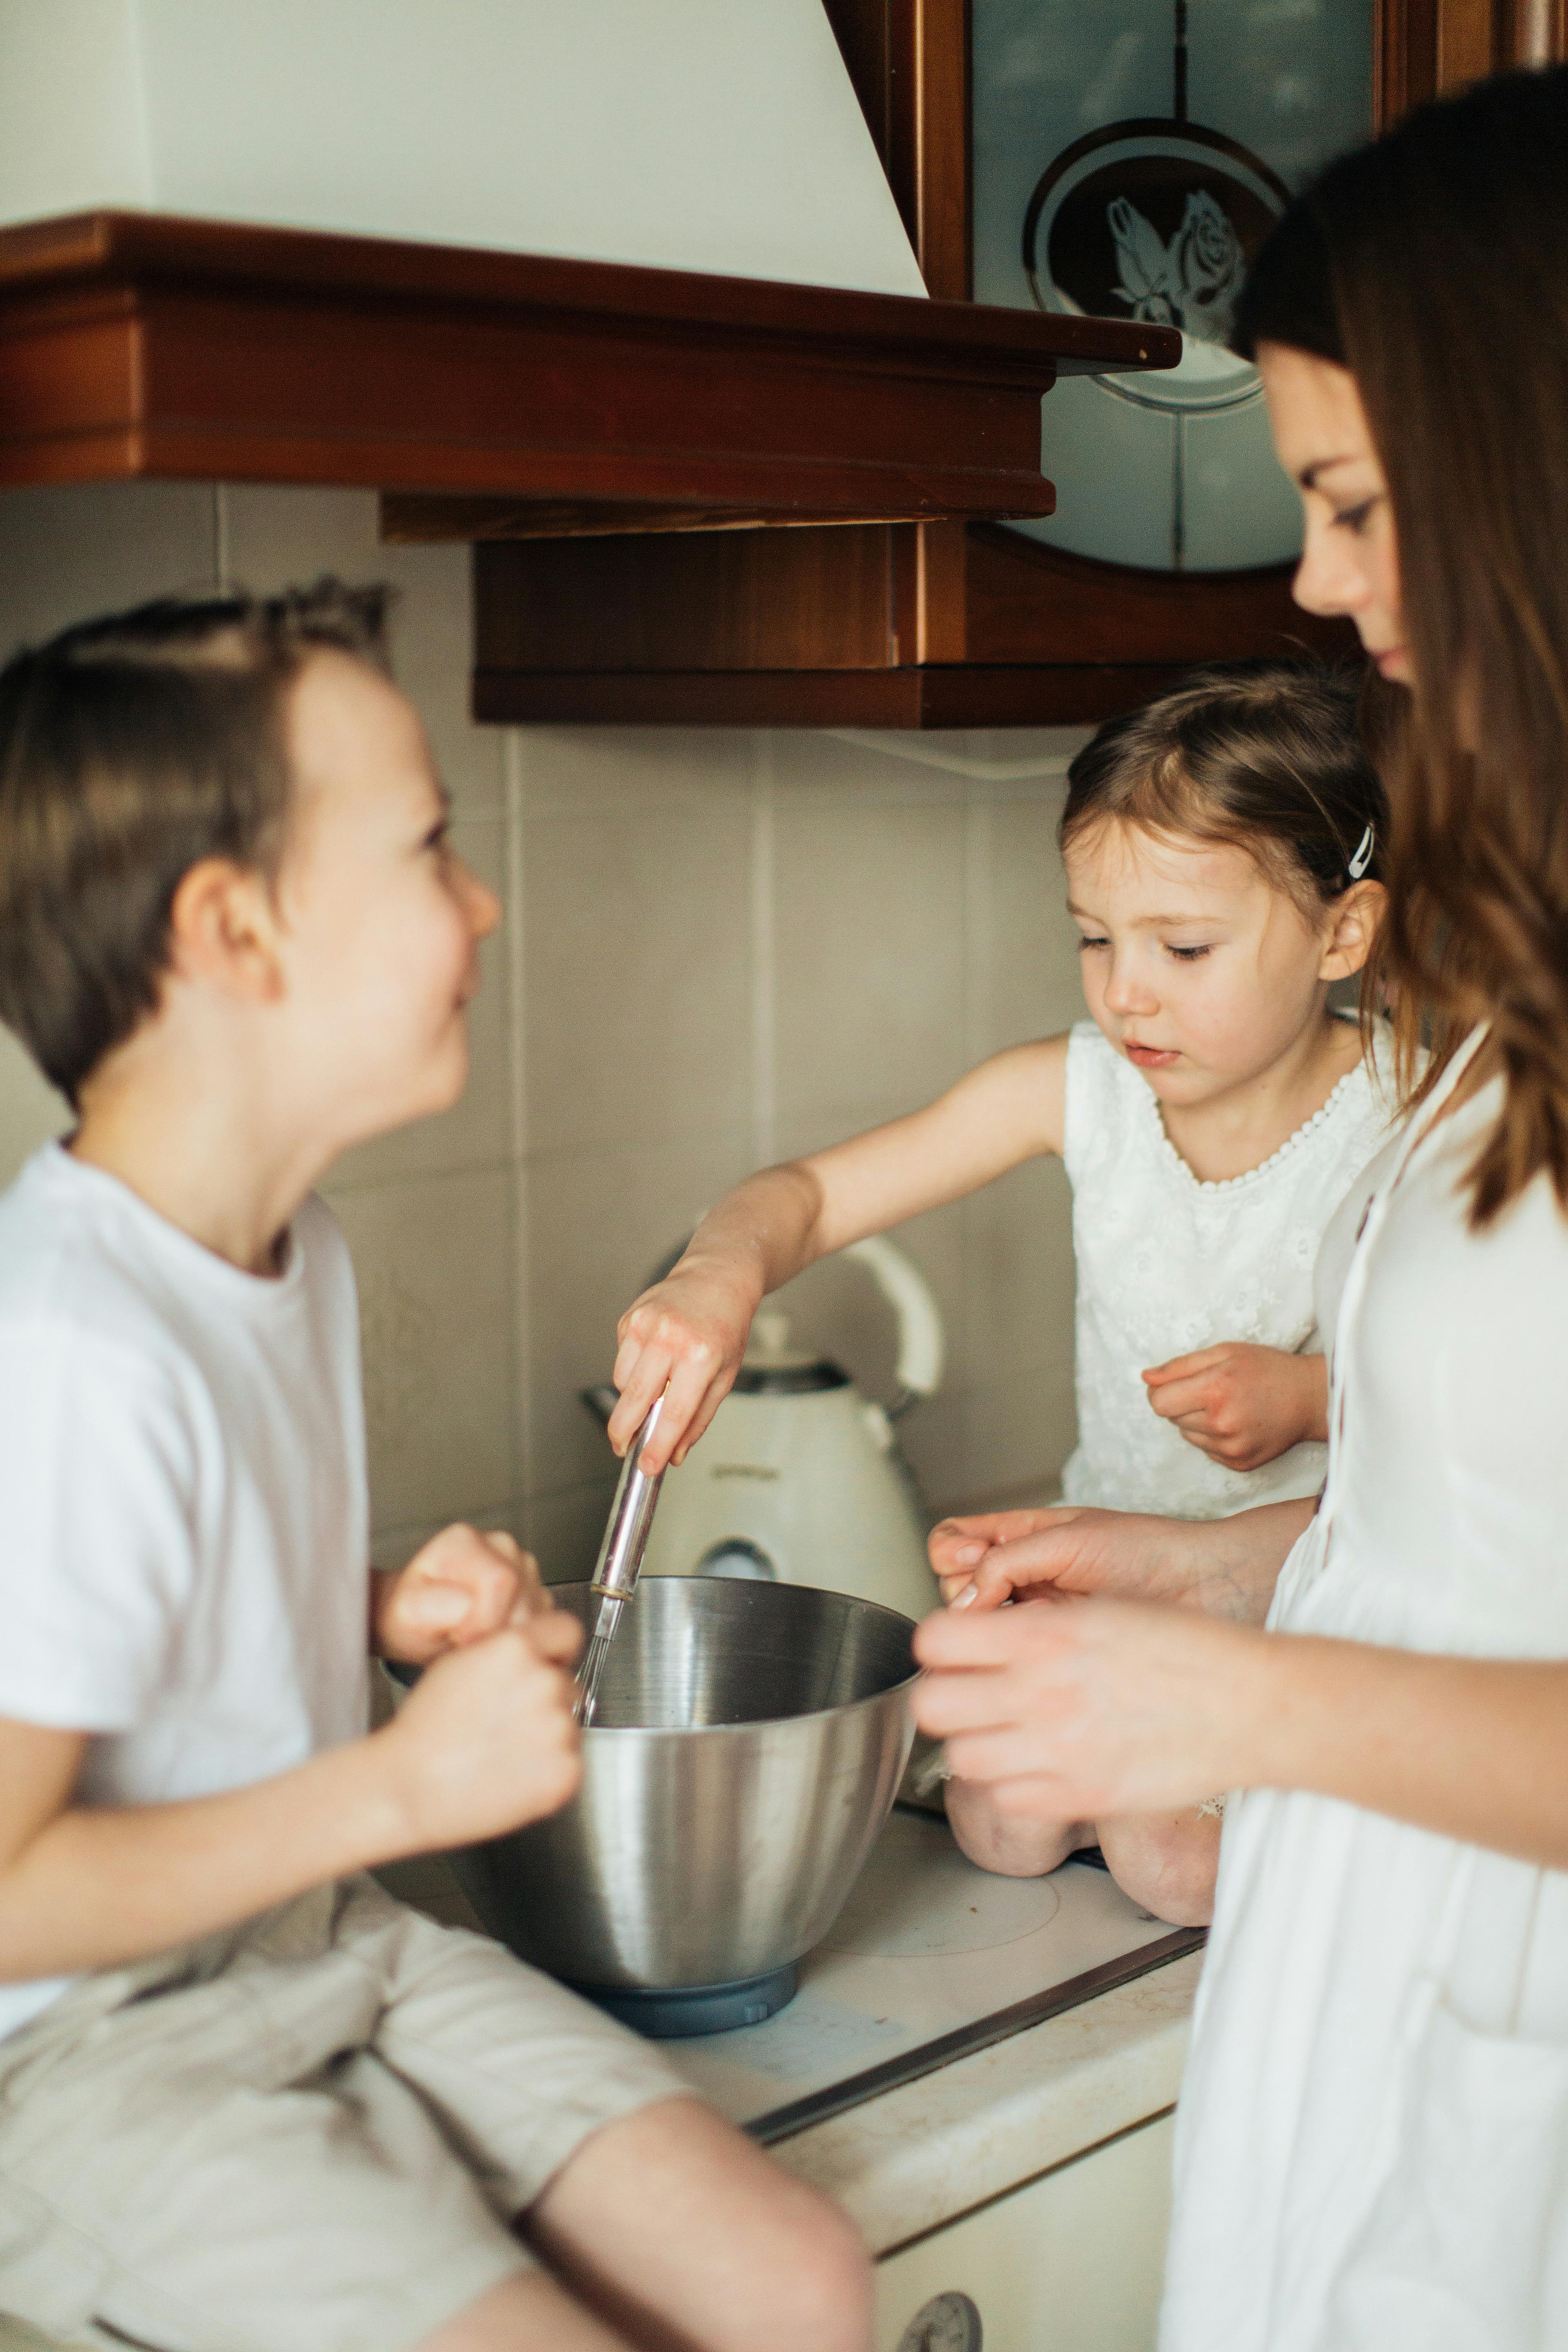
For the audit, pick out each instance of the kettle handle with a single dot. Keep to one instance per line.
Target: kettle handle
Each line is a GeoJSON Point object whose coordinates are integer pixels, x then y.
{"type": "Point", "coordinates": [922, 1347]}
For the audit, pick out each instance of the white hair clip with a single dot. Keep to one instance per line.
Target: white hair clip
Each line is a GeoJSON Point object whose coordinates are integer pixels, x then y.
{"type": "Point", "coordinates": [1362, 858]}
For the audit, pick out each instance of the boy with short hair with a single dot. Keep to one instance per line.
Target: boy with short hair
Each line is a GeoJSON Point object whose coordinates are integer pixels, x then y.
{"type": "Point", "coordinates": [248, 2102]}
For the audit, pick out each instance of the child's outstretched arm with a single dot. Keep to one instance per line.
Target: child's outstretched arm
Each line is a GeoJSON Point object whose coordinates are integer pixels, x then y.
{"type": "Point", "coordinates": [1243, 1405]}
{"type": "Point", "coordinates": [685, 1337]}
{"type": "Point", "coordinates": [486, 1742]}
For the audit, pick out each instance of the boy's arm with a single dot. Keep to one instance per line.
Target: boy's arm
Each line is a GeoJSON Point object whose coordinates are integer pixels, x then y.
{"type": "Point", "coordinates": [486, 1742]}
{"type": "Point", "coordinates": [687, 1334]}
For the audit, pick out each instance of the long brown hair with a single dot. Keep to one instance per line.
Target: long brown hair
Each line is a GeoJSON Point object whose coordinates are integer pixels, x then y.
{"type": "Point", "coordinates": [1434, 266]}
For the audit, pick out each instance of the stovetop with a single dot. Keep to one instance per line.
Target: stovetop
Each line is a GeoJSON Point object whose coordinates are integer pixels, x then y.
{"type": "Point", "coordinates": [931, 1959]}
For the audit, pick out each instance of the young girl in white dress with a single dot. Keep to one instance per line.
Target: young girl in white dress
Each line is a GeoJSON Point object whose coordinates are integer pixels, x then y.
{"type": "Point", "coordinates": [1222, 850]}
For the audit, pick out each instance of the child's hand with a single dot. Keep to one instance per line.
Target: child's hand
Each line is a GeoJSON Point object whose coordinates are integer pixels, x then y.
{"type": "Point", "coordinates": [460, 1587]}
{"type": "Point", "coordinates": [485, 1740]}
{"type": "Point", "coordinates": [1243, 1405]}
{"type": "Point", "coordinates": [690, 1331]}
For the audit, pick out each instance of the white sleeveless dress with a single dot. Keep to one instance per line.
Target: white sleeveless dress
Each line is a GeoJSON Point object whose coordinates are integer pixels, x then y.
{"type": "Point", "coordinates": [1371, 2141]}
{"type": "Point", "coordinates": [1167, 1264]}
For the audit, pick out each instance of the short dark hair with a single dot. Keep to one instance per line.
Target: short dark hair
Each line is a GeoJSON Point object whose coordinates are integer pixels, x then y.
{"type": "Point", "coordinates": [132, 746]}
{"type": "Point", "coordinates": [1265, 755]}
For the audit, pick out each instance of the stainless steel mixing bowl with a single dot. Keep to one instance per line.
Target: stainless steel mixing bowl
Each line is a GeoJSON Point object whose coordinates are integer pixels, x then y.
{"type": "Point", "coordinates": [748, 1743]}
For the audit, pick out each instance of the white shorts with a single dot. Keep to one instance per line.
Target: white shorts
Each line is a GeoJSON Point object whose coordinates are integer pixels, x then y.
{"type": "Point", "coordinates": [309, 2134]}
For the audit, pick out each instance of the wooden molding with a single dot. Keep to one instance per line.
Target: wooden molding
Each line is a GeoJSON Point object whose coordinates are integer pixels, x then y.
{"type": "Point", "coordinates": [132, 344]}
{"type": "Point", "coordinates": [925, 625]}
{"type": "Point", "coordinates": [1425, 48]}
{"type": "Point", "coordinates": [927, 695]}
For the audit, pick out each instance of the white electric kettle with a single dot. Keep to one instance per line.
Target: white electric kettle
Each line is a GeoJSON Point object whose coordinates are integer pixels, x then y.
{"type": "Point", "coordinates": [799, 1479]}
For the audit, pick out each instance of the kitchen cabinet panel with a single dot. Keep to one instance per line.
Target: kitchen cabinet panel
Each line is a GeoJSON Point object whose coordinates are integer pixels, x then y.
{"type": "Point", "coordinates": [983, 626]}
{"type": "Point", "coordinates": [1071, 2262]}
{"type": "Point", "coordinates": [147, 344]}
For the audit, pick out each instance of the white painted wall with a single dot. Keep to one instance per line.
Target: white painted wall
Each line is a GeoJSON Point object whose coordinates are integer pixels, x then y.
{"type": "Point", "coordinates": [701, 134]}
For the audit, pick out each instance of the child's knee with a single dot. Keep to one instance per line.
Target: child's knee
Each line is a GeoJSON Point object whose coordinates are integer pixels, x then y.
{"type": "Point", "coordinates": [1166, 1865]}
{"type": "Point", "coordinates": [1014, 1845]}
{"type": "Point", "coordinates": [823, 2290]}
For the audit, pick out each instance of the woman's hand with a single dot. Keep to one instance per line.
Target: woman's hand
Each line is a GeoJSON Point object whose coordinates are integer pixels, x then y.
{"type": "Point", "coordinates": [682, 1339]}
{"type": "Point", "coordinates": [1226, 1567]}
{"type": "Point", "coordinates": [1087, 1708]}
{"type": "Point", "coordinates": [1001, 1556]}
{"type": "Point", "coordinates": [460, 1587]}
{"type": "Point", "coordinates": [1243, 1405]}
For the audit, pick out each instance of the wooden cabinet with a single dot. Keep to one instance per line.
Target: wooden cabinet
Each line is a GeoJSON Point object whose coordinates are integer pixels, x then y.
{"type": "Point", "coordinates": [917, 624]}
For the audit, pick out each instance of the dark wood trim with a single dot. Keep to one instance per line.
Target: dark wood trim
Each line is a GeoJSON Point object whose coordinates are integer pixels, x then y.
{"type": "Point", "coordinates": [929, 695]}
{"type": "Point", "coordinates": [416, 517]}
{"type": "Point", "coordinates": [909, 61]}
{"type": "Point", "coordinates": [920, 625]}
{"type": "Point", "coordinates": [134, 344]}
{"type": "Point", "coordinates": [1428, 47]}
{"type": "Point", "coordinates": [1027, 602]}
{"type": "Point", "coordinates": [982, 626]}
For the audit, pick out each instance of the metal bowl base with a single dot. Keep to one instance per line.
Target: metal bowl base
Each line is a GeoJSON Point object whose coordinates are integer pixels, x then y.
{"type": "Point", "coordinates": [703, 2008]}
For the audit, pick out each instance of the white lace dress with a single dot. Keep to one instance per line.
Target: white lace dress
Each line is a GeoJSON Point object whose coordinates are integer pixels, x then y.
{"type": "Point", "coordinates": [1167, 1264]}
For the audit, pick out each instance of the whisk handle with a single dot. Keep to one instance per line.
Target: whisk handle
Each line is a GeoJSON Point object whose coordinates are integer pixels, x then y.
{"type": "Point", "coordinates": [631, 1516]}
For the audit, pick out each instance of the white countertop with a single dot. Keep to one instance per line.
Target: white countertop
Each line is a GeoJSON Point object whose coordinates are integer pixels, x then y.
{"type": "Point", "coordinates": [906, 2161]}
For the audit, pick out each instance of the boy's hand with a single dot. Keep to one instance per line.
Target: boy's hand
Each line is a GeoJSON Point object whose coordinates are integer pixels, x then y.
{"type": "Point", "coordinates": [485, 1740]}
{"type": "Point", "coordinates": [682, 1339]}
{"type": "Point", "coordinates": [460, 1587]}
{"type": "Point", "coordinates": [1242, 1406]}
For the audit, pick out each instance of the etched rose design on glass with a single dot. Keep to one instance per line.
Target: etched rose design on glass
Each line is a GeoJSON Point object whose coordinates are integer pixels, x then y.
{"type": "Point", "coordinates": [1191, 283]}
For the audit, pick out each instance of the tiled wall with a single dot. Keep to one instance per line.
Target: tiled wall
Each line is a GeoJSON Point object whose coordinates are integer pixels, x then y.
{"type": "Point", "coordinates": [720, 948]}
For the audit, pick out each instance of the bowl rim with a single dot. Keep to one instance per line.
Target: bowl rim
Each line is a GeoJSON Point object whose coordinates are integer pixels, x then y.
{"type": "Point", "coordinates": [405, 1676]}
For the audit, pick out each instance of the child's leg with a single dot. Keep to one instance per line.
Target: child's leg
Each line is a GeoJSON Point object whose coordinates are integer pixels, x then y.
{"type": "Point", "coordinates": [671, 2228]}
{"type": "Point", "coordinates": [662, 2220]}
{"type": "Point", "coordinates": [1166, 1862]}
{"type": "Point", "coordinates": [1015, 1844]}
{"type": "Point", "coordinates": [520, 2314]}
{"type": "Point", "coordinates": [678, 2230]}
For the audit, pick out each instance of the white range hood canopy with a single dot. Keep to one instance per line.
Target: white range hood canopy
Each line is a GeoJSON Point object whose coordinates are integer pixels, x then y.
{"type": "Point", "coordinates": [715, 135]}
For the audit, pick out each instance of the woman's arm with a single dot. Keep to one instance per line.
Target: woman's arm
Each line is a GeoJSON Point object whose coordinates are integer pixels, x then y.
{"type": "Point", "coordinates": [1227, 1568]}
{"type": "Point", "coordinates": [685, 1337]}
{"type": "Point", "coordinates": [1102, 1707]}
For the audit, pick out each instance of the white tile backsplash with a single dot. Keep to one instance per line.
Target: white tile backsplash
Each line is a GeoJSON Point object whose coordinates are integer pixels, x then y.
{"type": "Point", "coordinates": [869, 954]}
{"type": "Point", "coordinates": [433, 1257]}
{"type": "Point", "coordinates": [720, 947]}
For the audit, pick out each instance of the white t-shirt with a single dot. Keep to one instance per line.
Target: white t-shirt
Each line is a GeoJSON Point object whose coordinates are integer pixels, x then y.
{"type": "Point", "coordinates": [184, 1522]}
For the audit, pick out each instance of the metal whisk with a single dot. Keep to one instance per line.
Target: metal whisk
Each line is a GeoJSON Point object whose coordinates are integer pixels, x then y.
{"type": "Point", "coordinates": [620, 1558]}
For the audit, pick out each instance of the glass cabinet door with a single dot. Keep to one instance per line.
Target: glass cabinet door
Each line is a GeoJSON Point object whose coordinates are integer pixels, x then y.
{"type": "Point", "coordinates": [1129, 156]}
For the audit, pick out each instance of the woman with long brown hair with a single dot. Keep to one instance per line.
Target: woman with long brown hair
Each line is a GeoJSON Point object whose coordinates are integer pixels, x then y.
{"type": "Point", "coordinates": [1373, 2138]}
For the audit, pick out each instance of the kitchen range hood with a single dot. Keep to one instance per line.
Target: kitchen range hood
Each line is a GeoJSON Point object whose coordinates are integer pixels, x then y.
{"type": "Point", "coordinates": [617, 268]}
